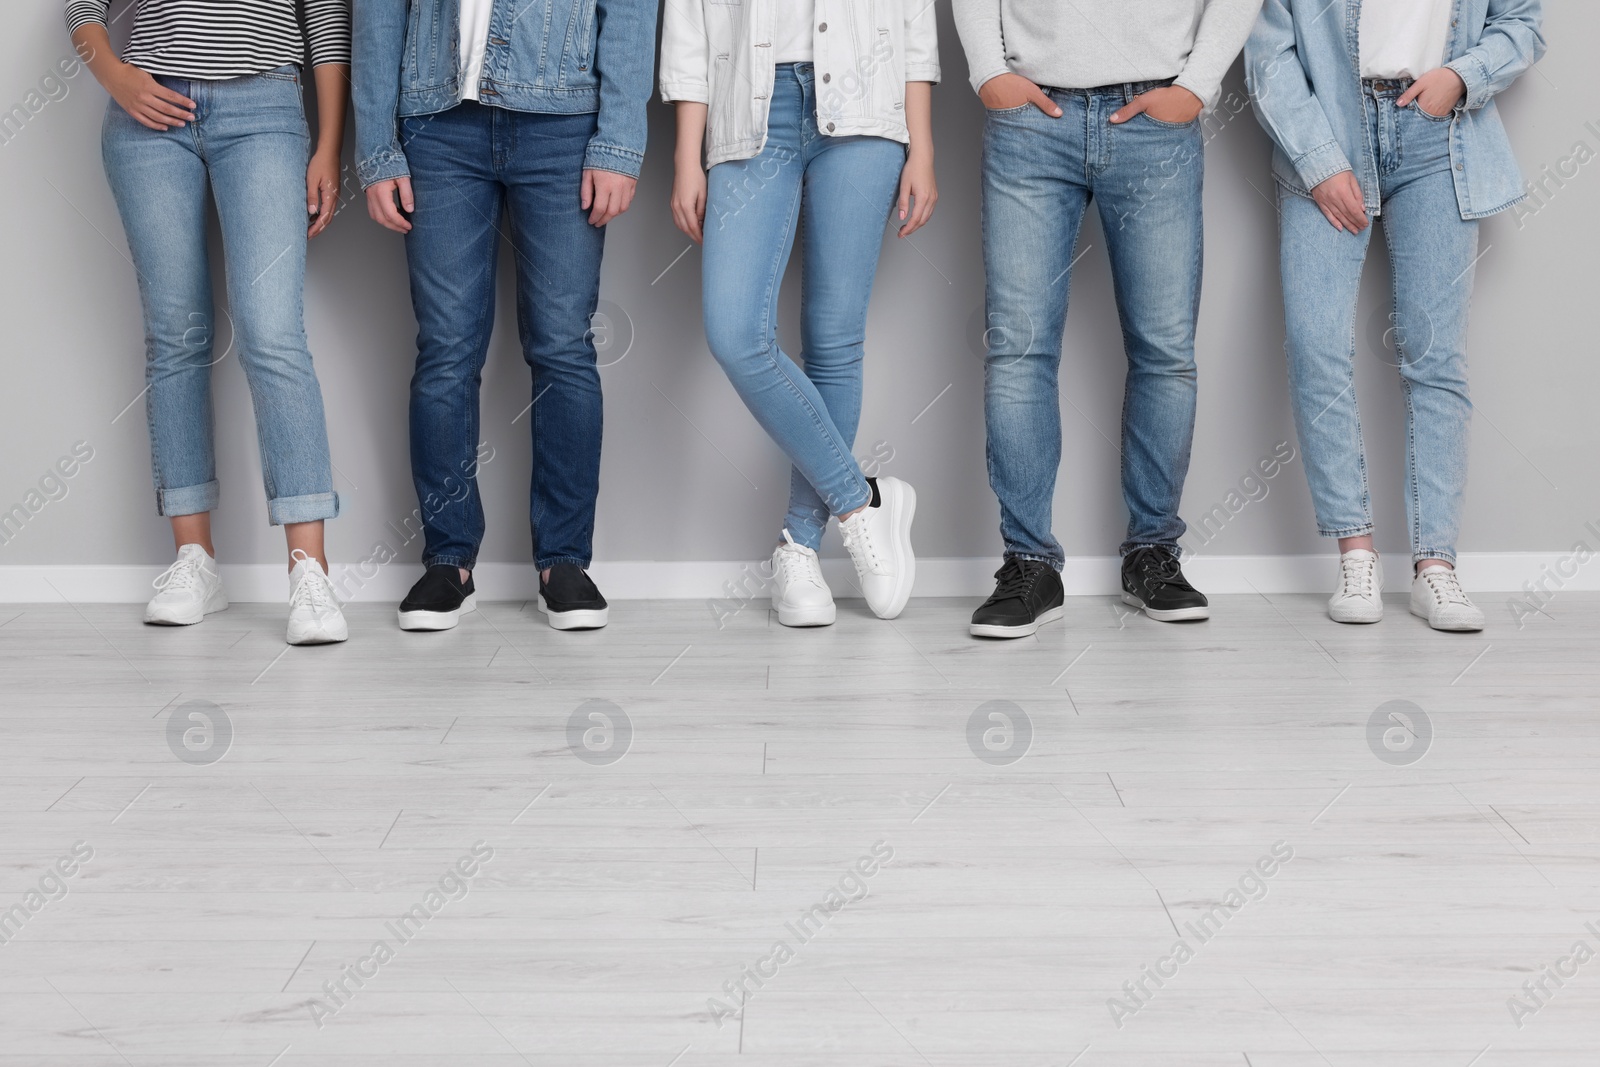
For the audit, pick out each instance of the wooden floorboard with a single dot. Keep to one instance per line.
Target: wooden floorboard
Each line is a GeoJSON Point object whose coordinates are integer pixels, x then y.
{"type": "Point", "coordinates": [1141, 774]}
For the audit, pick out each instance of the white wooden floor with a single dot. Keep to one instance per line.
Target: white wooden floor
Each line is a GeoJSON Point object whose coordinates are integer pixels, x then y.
{"type": "Point", "coordinates": [1161, 763]}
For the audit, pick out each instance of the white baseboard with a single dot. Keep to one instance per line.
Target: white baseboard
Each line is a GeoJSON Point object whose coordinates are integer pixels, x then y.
{"type": "Point", "coordinates": [1482, 572]}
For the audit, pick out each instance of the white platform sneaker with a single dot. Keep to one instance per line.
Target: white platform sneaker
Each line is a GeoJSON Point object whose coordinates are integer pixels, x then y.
{"type": "Point", "coordinates": [1436, 595]}
{"type": "Point", "coordinates": [878, 538]}
{"type": "Point", "coordinates": [1359, 597]}
{"type": "Point", "coordinates": [800, 596]}
{"type": "Point", "coordinates": [187, 591]}
{"type": "Point", "coordinates": [314, 614]}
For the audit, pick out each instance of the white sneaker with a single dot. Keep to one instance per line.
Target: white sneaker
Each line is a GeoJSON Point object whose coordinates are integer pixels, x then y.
{"type": "Point", "coordinates": [1359, 597]}
{"type": "Point", "coordinates": [800, 596]}
{"type": "Point", "coordinates": [1436, 595]}
{"type": "Point", "coordinates": [187, 591]}
{"type": "Point", "coordinates": [314, 615]}
{"type": "Point", "coordinates": [878, 538]}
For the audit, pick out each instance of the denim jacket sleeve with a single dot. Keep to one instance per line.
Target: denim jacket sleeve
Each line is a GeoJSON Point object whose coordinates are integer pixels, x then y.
{"type": "Point", "coordinates": [1284, 102]}
{"type": "Point", "coordinates": [1511, 43]}
{"type": "Point", "coordinates": [624, 61]}
{"type": "Point", "coordinates": [379, 45]}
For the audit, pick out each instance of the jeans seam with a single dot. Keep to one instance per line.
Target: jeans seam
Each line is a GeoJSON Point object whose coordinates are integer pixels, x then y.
{"type": "Point", "coordinates": [1413, 489]}
{"type": "Point", "coordinates": [1355, 407]}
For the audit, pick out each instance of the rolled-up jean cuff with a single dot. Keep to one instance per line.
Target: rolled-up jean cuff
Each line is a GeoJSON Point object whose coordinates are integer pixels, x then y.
{"type": "Point", "coordinates": [542, 565]}
{"type": "Point", "coordinates": [1059, 565]}
{"type": "Point", "coordinates": [1354, 531]}
{"type": "Point", "coordinates": [1446, 554]}
{"type": "Point", "coordinates": [312, 508]}
{"type": "Point", "coordinates": [190, 500]}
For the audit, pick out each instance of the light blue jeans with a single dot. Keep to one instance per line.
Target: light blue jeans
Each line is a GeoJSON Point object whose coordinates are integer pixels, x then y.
{"type": "Point", "coordinates": [1432, 252]}
{"type": "Point", "coordinates": [1040, 175]}
{"type": "Point", "coordinates": [249, 147]}
{"type": "Point", "coordinates": [841, 189]}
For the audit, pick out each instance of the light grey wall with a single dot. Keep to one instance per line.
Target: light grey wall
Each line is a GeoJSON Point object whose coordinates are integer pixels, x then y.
{"type": "Point", "coordinates": [687, 473]}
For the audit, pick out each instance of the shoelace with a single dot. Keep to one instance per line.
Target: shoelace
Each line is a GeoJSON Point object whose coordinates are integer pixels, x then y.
{"type": "Point", "coordinates": [313, 590]}
{"type": "Point", "coordinates": [1356, 576]}
{"type": "Point", "coordinates": [1445, 586]}
{"type": "Point", "coordinates": [797, 564]}
{"type": "Point", "coordinates": [182, 576]}
{"type": "Point", "coordinates": [858, 541]}
{"type": "Point", "coordinates": [1154, 564]}
{"type": "Point", "coordinates": [1014, 581]}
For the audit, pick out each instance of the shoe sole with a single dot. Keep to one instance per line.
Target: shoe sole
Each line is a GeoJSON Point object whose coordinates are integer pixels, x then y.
{"type": "Point", "coordinates": [216, 603]}
{"type": "Point", "coordinates": [319, 636]}
{"type": "Point", "coordinates": [802, 617]}
{"type": "Point", "coordinates": [437, 620]}
{"type": "Point", "coordinates": [902, 512]}
{"type": "Point", "coordinates": [577, 618]}
{"type": "Point", "coordinates": [1173, 615]}
{"type": "Point", "coordinates": [983, 629]}
{"type": "Point", "coordinates": [1469, 629]}
{"type": "Point", "coordinates": [1355, 618]}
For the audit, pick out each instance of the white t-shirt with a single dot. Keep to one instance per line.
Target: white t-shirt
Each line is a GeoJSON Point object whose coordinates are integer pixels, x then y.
{"type": "Point", "coordinates": [1403, 38]}
{"type": "Point", "coordinates": [474, 42]}
{"type": "Point", "coordinates": [791, 31]}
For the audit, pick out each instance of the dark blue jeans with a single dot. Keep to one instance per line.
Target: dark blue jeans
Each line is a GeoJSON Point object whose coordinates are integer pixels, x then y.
{"type": "Point", "coordinates": [1040, 175]}
{"type": "Point", "coordinates": [471, 167]}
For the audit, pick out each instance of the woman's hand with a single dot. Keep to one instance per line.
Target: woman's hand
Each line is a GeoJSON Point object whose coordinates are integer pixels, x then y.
{"type": "Point", "coordinates": [918, 192]}
{"type": "Point", "coordinates": [322, 190]}
{"type": "Point", "coordinates": [1342, 202]}
{"type": "Point", "coordinates": [147, 100]}
{"type": "Point", "coordinates": [689, 199]}
{"type": "Point", "coordinates": [1436, 92]}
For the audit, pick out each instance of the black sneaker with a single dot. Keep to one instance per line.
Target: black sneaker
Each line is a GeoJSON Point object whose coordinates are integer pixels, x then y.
{"type": "Point", "coordinates": [1027, 594]}
{"type": "Point", "coordinates": [438, 599]}
{"type": "Point", "coordinates": [1153, 580]}
{"type": "Point", "coordinates": [570, 599]}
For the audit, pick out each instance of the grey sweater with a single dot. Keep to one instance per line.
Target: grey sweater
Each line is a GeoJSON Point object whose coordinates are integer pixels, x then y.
{"type": "Point", "coordinates": [1080, 44]}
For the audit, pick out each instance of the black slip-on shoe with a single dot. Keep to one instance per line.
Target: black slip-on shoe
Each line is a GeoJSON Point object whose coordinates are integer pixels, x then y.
{"type": "Point", "coordinates": [1153, 580]}
{"type": "Point", "coordinates": [570, 600]}
{"type": "Point", "coordinates": [1027, 594]}
{"type": "Point", "coordinates": [438, 599]}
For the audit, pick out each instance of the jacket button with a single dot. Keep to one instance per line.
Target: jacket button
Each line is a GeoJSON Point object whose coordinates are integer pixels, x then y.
{"type": "Point", "coordinates": [822, 28]}
{"type": "Point", "coordinates": [830, 127]}
{"type": "Point", "coordinates": [827, 78]}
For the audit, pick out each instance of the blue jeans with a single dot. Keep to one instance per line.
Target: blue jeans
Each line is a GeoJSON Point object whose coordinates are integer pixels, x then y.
{"type": "Point", "coordinates": [1039, 176]}
{"type": "Point", "coordinates": [249, 146]}
{"type": "Point", "coordinates": [1432, 251]}
{"type": "Point", "coordinates": [841, 189]}
{"type": "Point", "coordinates": [469, 165]}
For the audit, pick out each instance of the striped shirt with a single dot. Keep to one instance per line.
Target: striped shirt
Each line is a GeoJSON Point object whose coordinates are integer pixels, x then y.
{"type": "Point", "coordinates": [217, 39]}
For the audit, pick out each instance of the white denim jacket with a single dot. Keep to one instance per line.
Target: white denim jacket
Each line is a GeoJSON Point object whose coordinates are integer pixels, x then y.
{"type": "Point", "coordinates": [719, 53]}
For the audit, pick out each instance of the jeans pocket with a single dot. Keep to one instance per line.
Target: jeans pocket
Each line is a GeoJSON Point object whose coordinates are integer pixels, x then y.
{"type": "Point", "coordinates": [1009, 112]}
{"type": "Point", "coordinates": [1191, 124]}
{"type": "Point", "coordinates": [1416, 105]}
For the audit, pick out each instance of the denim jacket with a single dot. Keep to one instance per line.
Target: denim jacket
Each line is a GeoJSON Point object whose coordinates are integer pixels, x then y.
{"type": "Point", "coordinates": [563, 57]}
{"type": "Point", "coordinates": [1303, 66]}
{"type": "Point", "coordinates": [720, 54]}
